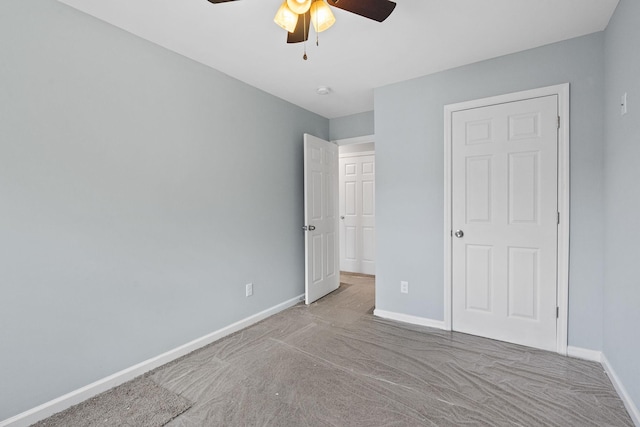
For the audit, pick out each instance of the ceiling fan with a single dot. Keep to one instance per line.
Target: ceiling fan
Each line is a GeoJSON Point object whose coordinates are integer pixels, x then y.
{"type": "Point", "coordinates": [296, 16]}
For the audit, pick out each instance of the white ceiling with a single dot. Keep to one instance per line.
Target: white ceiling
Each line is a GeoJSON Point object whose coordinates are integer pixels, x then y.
{"type": "Point", "coordinates": [356, 55]}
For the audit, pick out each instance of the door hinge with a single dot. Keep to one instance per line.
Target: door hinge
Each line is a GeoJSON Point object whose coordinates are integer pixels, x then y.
{"type": "Point", "coordinates": [558, 122]}
{"type": "Point", "coordinates": [558, 218]}
{"type": "Point", "coordinates": [557, 312]}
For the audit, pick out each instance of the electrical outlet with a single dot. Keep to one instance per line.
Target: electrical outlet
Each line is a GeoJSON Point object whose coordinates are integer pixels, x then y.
{"type": "Point", "coordinates": [404, 287]}
{"type": "Point", "coordinates": [248, 289]}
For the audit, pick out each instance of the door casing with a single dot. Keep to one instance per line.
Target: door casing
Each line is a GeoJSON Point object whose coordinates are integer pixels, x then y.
{"type": "Point", "coordinates": [562, 298]}
{"type": "Point", "coordinates": [355, 141]}
{"type": "Point", "coordinates": [361, 268]}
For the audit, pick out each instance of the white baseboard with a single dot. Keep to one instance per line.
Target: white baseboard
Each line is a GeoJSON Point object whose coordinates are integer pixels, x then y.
{"type": "Point", "coordinates": [584, 353]}
{"type": "Point", "coordinates": [634, 413]}
{"type": "Point", "coordinates": [63, 402]}
{"type": "Point", "coordinates": [406, 318]}
{"type": "Point", "coordinates": [598, 356]}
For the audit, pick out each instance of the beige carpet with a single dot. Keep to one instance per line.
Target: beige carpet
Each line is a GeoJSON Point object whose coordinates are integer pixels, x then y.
{"type": "Point", "coordinates": [139, 403]}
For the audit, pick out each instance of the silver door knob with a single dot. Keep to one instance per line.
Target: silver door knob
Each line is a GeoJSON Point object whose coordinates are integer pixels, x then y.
{"type": "Point", "coordinates": [459, 233]}
{"type": "Point", "coordinates": [342, 217]}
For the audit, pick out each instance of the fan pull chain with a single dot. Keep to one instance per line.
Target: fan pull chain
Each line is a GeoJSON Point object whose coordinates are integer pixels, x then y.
{"type": "Point", "coordinates": [304, 41]}
{"type": "Point", "coordinates": [317, 33]}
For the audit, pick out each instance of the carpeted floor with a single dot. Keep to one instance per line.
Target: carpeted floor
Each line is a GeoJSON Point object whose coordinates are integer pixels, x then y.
{"type": "Point", "coordinates": [137, 403]}
{"type": "Point", "coordinates": [334, 364]}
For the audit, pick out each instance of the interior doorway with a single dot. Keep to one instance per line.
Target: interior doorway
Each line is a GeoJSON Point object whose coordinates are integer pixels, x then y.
{"type": "Point", "coordinates": [506, 217]}
{"type": "Point", "coordinates": [339, 212]}
{"type": "Point", "coordinates": [357, 205]}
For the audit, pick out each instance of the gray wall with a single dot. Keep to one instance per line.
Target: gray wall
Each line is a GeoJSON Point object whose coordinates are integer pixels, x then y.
{"type": "Point", "coordinates": [622, 197]}
{"type": "Point", "coordinates": [360, 124]}
{"type": "Point", "coordinates": [139, 192]}
{"type": "Point", "coordinates": [410, 185]}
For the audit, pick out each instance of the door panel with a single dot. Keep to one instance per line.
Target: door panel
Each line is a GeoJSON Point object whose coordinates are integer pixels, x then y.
{"type": "Point", "coordinates": [367, 198]}
{"type": "Point", "coordinates": [330, 265]}
{"type": "Point", "coordinates": [350, 198]}
{"type": "Point", "coordinates": [504, 199]}
{"type": "Point", "coordinates": [316, 250]}
{"type": "Point", "coordinates": [478, 277]}
{"type": "Point", "coordinates": [321, 217]}
{"type": "Point", "coordinates": [478, 189]}
{"type": "Point", "coordinates": [368, 245]}
{"type": "Point", "coordinates": [524, 195]}
{"type": "Point", "coordinates": [523, 283]}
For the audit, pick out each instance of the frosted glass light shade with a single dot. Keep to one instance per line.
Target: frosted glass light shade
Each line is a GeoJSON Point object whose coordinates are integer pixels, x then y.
{"type": "Point", "coordinates": [321, 16]}
{"type": "Point", "coordinates": [299, 6]}
{"type": "Point", "coordinates": [286, 18]}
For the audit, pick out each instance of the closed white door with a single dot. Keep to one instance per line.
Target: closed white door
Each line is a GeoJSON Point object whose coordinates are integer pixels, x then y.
{"type": "Point", "coordinates": [357, 213]}
{"type": "Point", "coordinates": [321, 218]}
{"type": "Point", "coordinates": [504, 217]}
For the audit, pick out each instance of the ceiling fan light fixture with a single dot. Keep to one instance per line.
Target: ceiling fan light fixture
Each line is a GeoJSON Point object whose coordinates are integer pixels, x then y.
{"type": "Point", "coordinates": [321, 16]}
{"type": "Point", "coordinates": [299, 6]}
{"type": "Point", "coordinates": [286, 18]}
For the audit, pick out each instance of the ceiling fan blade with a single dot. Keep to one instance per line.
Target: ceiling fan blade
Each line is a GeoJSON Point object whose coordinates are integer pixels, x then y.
{"type": "Point", "coordinates": [219, 1]}
{"type": "Point", "coordinates": [378, 10]}
{"type": "Point", "coordinates": [301, 33]}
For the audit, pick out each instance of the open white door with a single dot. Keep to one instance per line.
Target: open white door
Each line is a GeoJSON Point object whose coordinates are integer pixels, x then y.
{"type": "Point", "coordinates": [322, 274]}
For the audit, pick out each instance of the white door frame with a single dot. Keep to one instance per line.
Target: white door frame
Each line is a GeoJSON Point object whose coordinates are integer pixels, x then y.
{"type": "Point", "coordinates": [355, 140]}
{"type": "Point", "coordinates": [352, 141]}
{"type": "Point", "coordinates": [363, 266]}
{"type": "Point", "coordinates": [357, 154]}
{"type": "Point", "coordinates": [562, 299]}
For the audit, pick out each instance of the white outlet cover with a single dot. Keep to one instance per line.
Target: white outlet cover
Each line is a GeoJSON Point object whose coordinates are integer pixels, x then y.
{"type": "Point", "coordinates": [249, 289]}
{"type": "Point", "coordinates": [404, 287]}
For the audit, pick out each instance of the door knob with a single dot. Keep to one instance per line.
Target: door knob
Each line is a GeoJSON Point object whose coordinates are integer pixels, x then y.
{"type": "Point", "coordinates": [459, 233]}
{"type": "Point", "coordinates": [308, 227]}
{"type": "Point", "coordinates": [342, 217]}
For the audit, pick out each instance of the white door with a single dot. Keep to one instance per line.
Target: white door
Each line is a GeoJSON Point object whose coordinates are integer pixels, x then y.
{"type": "Point", "coordinates": [504, 205]}
{"type": "Point", "coordinates": [321, 218]}
{"type": "Point", "coordinates": [357, 213]}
